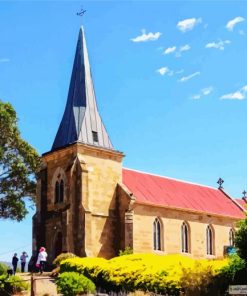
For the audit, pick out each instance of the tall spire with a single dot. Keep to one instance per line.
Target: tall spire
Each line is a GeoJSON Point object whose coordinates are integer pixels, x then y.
{"type": "Point", "coordinates": [81, 121]}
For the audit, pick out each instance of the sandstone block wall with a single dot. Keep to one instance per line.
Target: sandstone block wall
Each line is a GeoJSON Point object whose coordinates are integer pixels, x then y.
{"type": "Point", "coordinates": [172, 220]}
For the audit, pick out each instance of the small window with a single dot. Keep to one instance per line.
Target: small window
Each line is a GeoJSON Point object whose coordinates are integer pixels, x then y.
{"type": "Point", "coordinates": [185, 237]}
{"type": "Point", "coordinates": [95, 136]}
{"type": "Point", "coordinates": [157, 235]}
{"type": "Point", "coordinates": [231, 237]}
{"type": "Point", "coordinates": [59, 191]}
{"type": "Point", "coordinates": [210, 240]}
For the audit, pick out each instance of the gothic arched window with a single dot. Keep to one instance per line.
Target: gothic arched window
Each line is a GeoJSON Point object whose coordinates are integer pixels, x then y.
{"type": "Point", "coordinates": [59, 191]}
{"type": "Point", "coordinates": [185, 237]}
{"type": "Point", "coordinates": [210, 240]}
{"type": "Point", "coordinates": [231, 237]}
{"type": "Point", "coordinates": [157, 234]}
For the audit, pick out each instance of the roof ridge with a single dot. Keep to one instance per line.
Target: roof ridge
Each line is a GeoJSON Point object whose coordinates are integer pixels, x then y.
{"type": "Point", "coordinates": [170, 178]}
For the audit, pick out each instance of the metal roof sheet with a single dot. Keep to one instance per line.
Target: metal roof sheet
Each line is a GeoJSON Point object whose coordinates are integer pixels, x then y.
{"type": "Point", "coordinates": [163, 191]}
{"type": "Point", "coordinates": [81, 117]}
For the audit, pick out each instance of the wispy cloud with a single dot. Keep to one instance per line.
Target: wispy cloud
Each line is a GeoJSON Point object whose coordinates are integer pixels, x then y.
{"type": "Point", "coordinates": [232, 23]}
{"type": "Point", "coordinates": [207, 90]}
{"type": "Point", "coordinates": [218, 45]}
{"type": "Point", "coordinates": [181, 49]}
{"type": "Point", "coordinates": [4, 60]}
{"type": "Point", "coordinates": [162, 71]}
{"type": "Point", "coordinates": [239, 94]}
{"type": "Point", "coordinates": [177, 50]}
{"type": "Point", "coordinates": [166, 71]}
{"type": "Point", "coordinates": [147, 37]}
{"type": "Point", "coordinates": [170, 50]}
{"type": "Point", "coordinates": [184, 47]}
{"type": "Point", "coordinates": [196, 97]}
{"type": "Point", "coordinates": [186, 78]}
{"type": "Point", "coordinates": [188, 24]}
{"type": "Point", "coordinates": [203, 92]}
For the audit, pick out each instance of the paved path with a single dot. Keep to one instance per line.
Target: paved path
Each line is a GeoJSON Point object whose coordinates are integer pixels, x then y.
{"type": "Point", "coordinates": [43, 285]}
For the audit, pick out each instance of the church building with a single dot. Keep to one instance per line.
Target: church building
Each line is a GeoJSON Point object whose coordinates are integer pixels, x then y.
{"type": "Point", "coordinates": [88, 204]}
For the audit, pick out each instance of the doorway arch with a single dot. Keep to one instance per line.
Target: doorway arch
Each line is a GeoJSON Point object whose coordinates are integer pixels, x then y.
{"type": "Point", "coordinates": [58, 246]}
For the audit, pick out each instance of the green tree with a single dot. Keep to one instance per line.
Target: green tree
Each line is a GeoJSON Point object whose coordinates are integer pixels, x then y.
{"type": "Point", "coordinates": [18, 164]}
{"type": "Point", "coordinates": [241, 239]}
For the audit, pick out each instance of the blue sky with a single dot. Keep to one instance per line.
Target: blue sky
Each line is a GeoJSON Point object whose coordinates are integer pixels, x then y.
{"type": "Point", "coordinates": [170, 80]}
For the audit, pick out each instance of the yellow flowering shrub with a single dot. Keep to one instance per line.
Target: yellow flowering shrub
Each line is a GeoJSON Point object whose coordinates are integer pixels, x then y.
{"type": "Point", "coordinates": [146, 272]}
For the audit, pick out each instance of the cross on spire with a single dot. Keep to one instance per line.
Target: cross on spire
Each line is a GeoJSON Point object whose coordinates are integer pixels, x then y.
{"type": "Point", "coordinates": [220, 182]}
{"type": "Point", "coordinates": [244, 194]}
{"type": "Point", "coordinates": [81, 12]}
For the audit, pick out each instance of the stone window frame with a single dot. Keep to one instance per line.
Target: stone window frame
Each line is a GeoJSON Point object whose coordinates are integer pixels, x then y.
{"type": "Point", "coordinates": [59, 182]}
{"type": "Point", "coordinates": [185, 237]}
{"type": "Point", "coordinates": [157, 235]}
{"type": "Point", "coordinates": [232, 237]}
{"type": "Point", "coordinates": [210, 240]}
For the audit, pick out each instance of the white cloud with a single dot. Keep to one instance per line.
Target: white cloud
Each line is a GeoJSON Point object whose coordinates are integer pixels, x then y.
{"type": "Point", "coordinates": [188, 24]}
{"type": "Point", "coordinates": [232, 23]}
{"type": "Point", "coordinates": [186, 78]}
{"type": "Point", "coordinates": [240, 94]}
{"type": "Point", "coordinates": [218, 45]}
{"type": "Point", "coordinates": [147, 37]}
{"type": "Point", "coordinates": [166, 71]}
{"type": "Point", "coordinates": [4, 60]}
{"type": "Point", "coordinates": [170, 50]}
{"type": "Point", "coordinates": [196, 97]}
{"type": "Point", "coordinates": [184, 47]}
{"type": "Point", "coordinates": [203, 92]}
{"type": "Point", "coordinates": [163, 70]}
{"type": "Point", "coordinates": [207, 90]}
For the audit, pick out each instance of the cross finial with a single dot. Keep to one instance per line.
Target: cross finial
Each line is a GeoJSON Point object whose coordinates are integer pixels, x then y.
{"type": "Point", "coordinates": [244, 194]}
{"type": "Point", "coordinates": [220, 182]}
{"type": "Point", "coordinates": [81, 12]}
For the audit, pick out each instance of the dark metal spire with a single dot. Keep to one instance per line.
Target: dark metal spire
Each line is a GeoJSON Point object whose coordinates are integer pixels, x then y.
{"type": "Point", "coordinates": [81, 121]}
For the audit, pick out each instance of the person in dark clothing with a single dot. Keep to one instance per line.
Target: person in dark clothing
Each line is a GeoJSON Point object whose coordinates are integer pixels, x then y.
{"type": "Point", "coordinates": [23, 261]}
{"type": "Point", "coordinates": [14, 263]}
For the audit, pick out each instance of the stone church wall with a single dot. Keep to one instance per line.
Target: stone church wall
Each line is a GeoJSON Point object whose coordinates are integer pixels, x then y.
{"type": "Point", "coordinates": [171, 221]}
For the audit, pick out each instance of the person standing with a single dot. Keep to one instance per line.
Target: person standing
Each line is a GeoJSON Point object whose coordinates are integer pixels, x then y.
{"type": "Point", "coordinates": [14, 263]}
{"type": "Point", "coordinates": [23, 261]}
{"type": "Point", "coordinates": [41, 259]}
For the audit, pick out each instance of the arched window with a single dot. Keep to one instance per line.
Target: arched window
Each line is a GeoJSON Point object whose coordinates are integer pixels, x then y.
{"type": "Point", "coordinates": [231, 237]}
{"type": "Point", "coordinates": [185, 237]}
{"type": "Point", "coordinates": [59, 191]}
{"type": "Point", "coordinates": [157, 234]}
{"type": "Point", "coordinates": [210, 240]}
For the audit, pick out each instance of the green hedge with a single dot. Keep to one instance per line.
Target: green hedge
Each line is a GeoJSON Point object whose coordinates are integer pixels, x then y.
{"type": "Point", "coordinates": [73, 283]}
{"type": "Point", "coordinates": [12, 285]}
{"type": "Point", "coordinates": [164, 274]}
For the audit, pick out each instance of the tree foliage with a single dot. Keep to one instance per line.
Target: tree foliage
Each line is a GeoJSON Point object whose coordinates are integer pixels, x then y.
{"type": "Point", "coordinates": [18, 164]}
{"type": "Point", "coordinates": [241, 239]}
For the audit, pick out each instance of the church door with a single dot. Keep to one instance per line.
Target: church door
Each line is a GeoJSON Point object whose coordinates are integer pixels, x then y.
{"type": "Point", "coordinates": [58, 244]}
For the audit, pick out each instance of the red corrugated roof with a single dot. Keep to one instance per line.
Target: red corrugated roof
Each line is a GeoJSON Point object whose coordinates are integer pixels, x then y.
{"type": "Point", "coordinates": [163, 191]}
{"type": "Point", "coordinates": [241, 202]}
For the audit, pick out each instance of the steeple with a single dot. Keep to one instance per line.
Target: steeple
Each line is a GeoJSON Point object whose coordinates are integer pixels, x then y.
{"type": "Point", "coordinates": [81, 121]}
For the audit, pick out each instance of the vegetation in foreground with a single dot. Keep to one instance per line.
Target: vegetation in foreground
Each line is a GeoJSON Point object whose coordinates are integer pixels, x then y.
{"type": "Point", "coordinates": [164, 274]}
{"type": "Point", "coordinates": [10, 285]}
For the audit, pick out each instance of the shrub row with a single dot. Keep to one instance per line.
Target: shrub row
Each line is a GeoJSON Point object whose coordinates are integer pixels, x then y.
{"type": "Point", "coordinates": [168, 274]}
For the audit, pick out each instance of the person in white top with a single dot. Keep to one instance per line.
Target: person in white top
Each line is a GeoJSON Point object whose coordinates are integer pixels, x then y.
{"type": "Point", "coordinates": [41, 259]}
{"type": "Point", "coordinates": [23, 261]}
